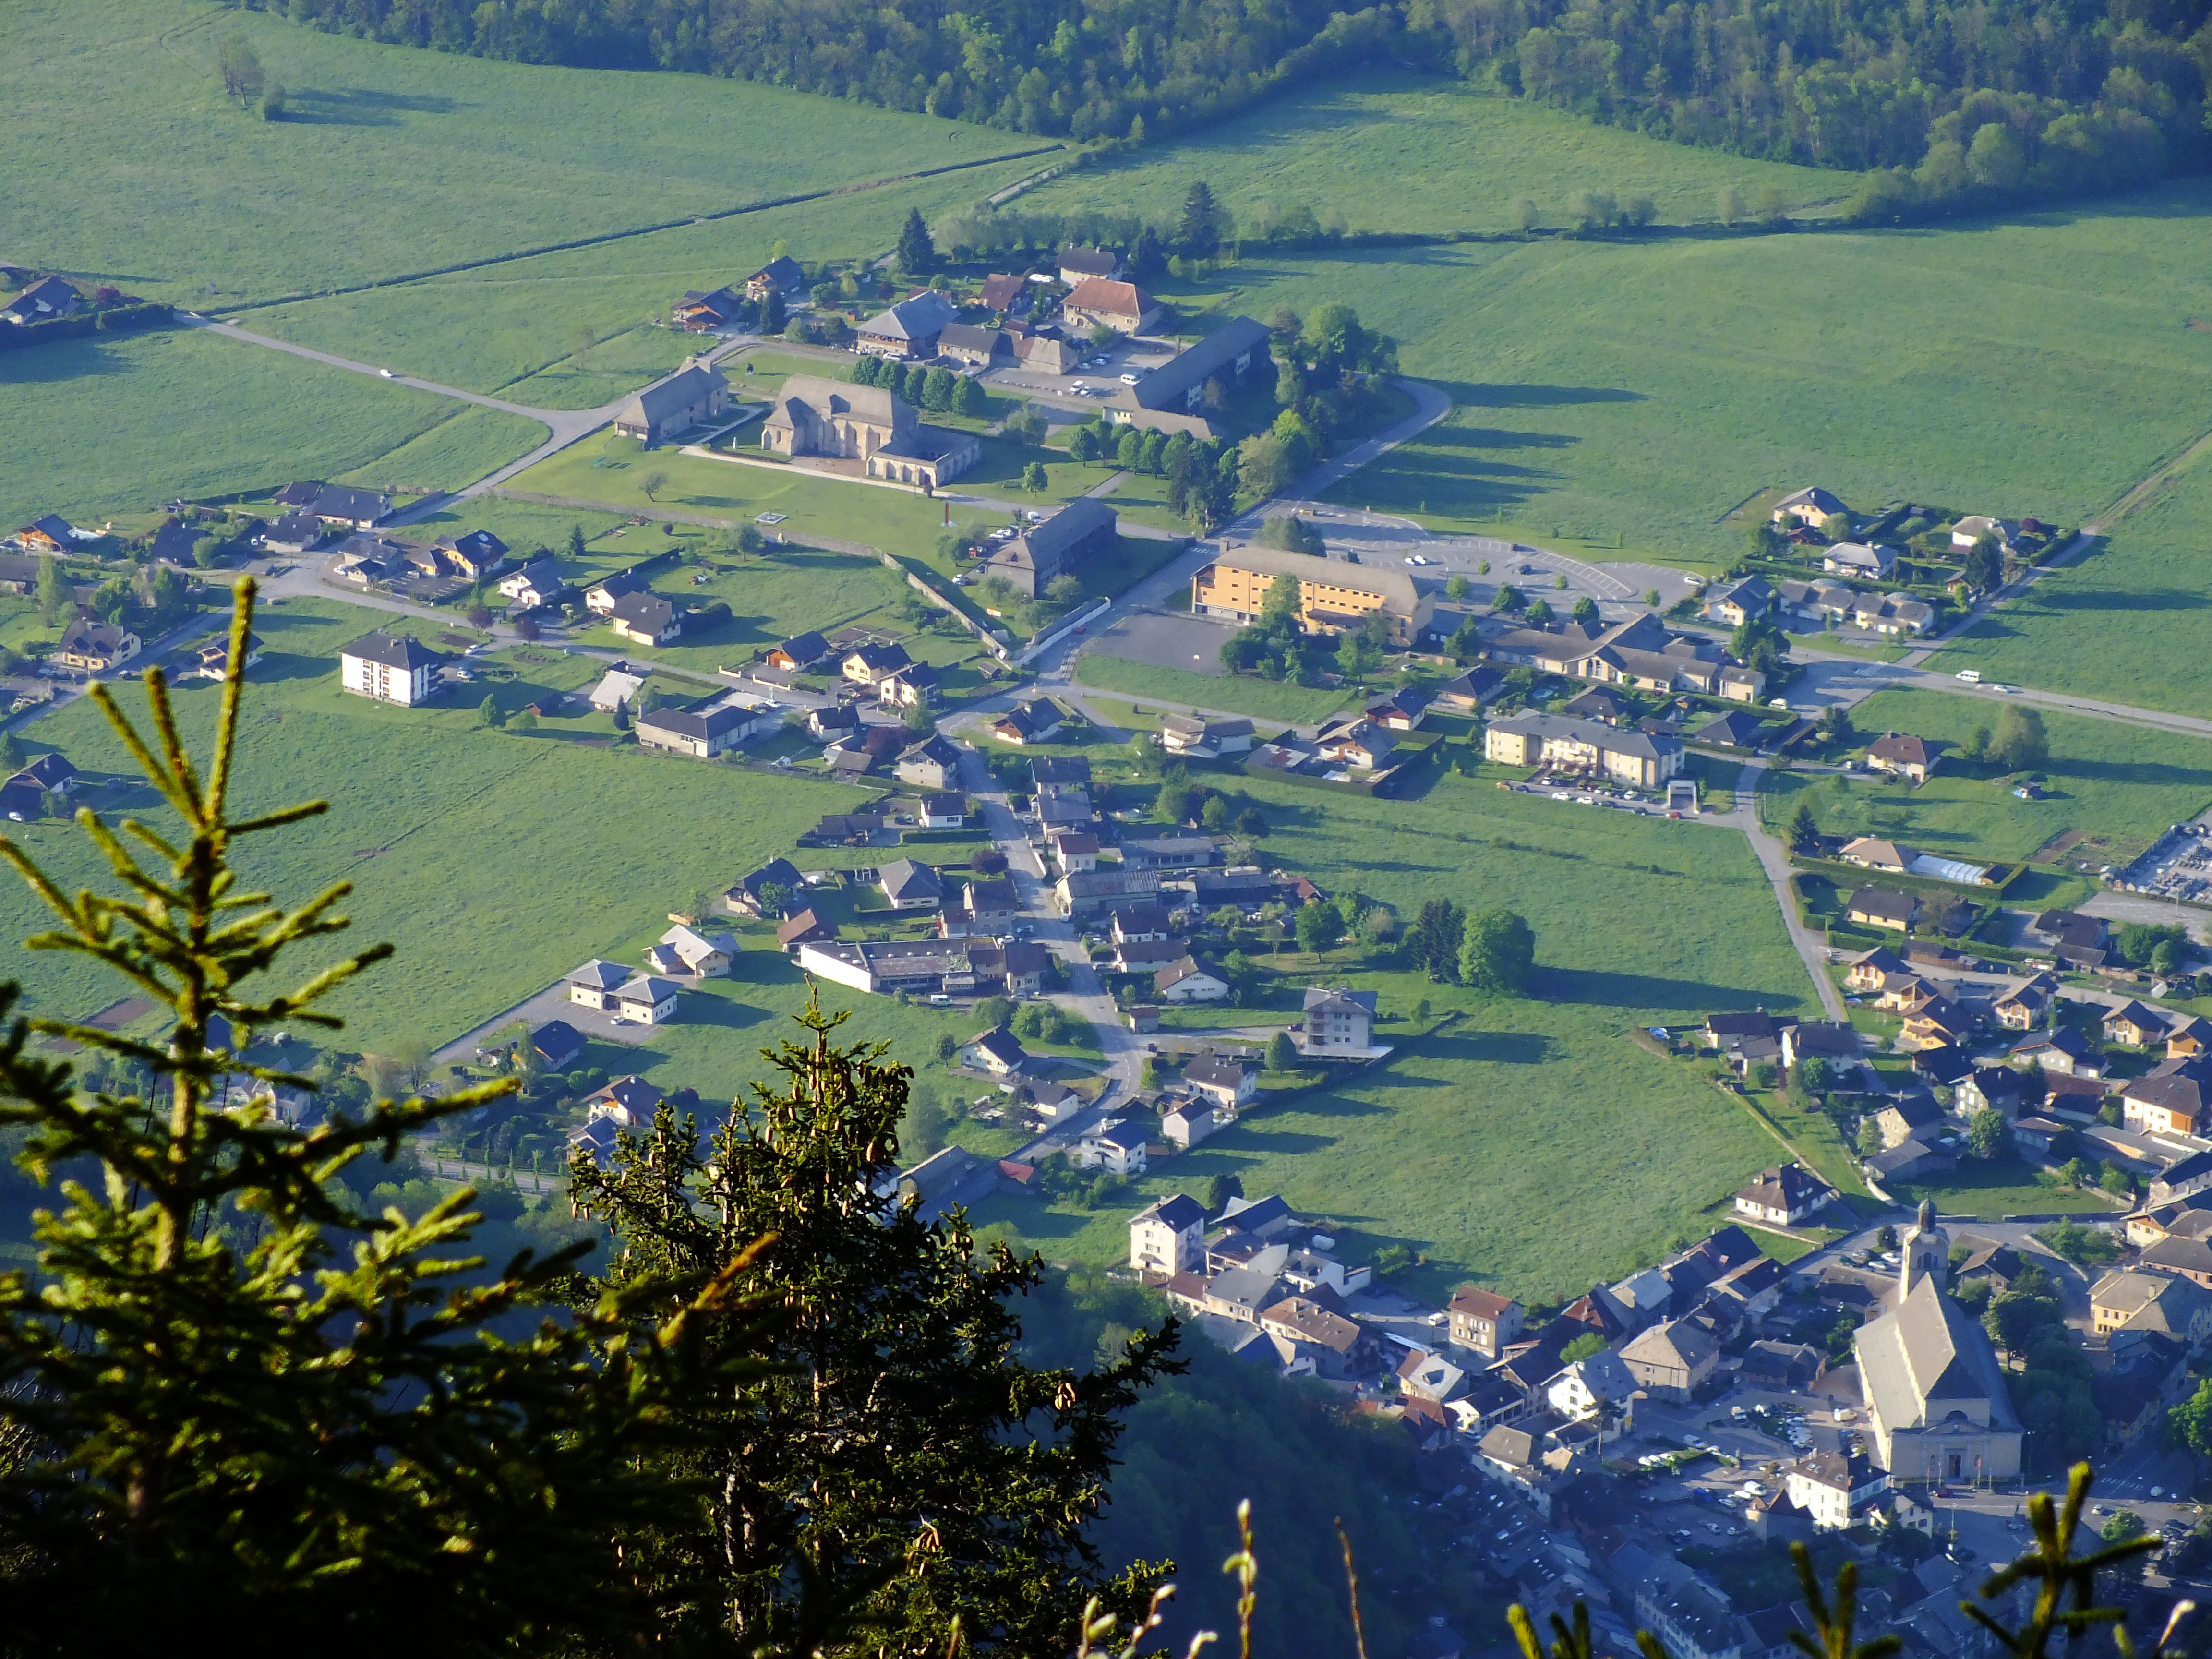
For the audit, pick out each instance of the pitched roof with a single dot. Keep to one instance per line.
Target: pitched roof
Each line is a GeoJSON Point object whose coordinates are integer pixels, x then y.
{"type": "Point", "coordinates": [599, 974]}
{"type": "Point", "coordinates": [1172, 381]}
{"type": "Point", "coordinates": [919, 317]}
{"type": "Point", "coordinates": [1181, 1213]}
{"type": "Point", "coordinates": [1478, 1303]}
{"type": "Point", "coordinates": [1087, 261]}
{"type": "Point", "coordinates": [673, 396]}
{"type": "Point", "coordinates": [1903, 747]}
{"type": "Point", "coordinates": [1100, 294]}
{"type": "Point", "coordinates": [1174, 973]}
{"type": "Point", "coordinates": [400, 651]}
{"type": "Point", "coordinates": [1884, 902]}
{"type": "Point", "coordinates": [1926, 1353]}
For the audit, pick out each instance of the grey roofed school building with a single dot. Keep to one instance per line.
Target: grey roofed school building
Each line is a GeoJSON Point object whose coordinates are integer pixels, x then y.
{"type": "Point", "coordinates": [1227, 355]}
{"type": "Point", "coordinates": [1061, 546]}
{"type": "Point", "coordinates": [693, 393]}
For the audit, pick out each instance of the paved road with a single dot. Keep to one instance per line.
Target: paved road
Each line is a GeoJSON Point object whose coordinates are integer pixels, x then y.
{"type": "Point", "coordinates": [1774, 859]}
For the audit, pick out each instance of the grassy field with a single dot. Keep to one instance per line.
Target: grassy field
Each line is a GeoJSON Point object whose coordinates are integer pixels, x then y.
{"type": "Point", "coordinates": [1268, 700]}
{"type": "Point", "coordinates": [428, 814]}
{"type": "Point", "coordinates": [2002, 1189]}
{"type": "Point", "coordinates": [1408, 153]}
{"type": "Point", "coordinates": [116, 423]}
{"type": "Point", "coordinates": [2106, 779]}
{"type": "Point", "coordinates": [515, 323]}
{"type": "Point", "coordinates": [2120, 623]}
{"type": "Point", "coordinates": [1624, 393]}
{"type": "Point", "coordinates": [393, 159]}
{"type": "Point", "coordinates": [614, 469]}
{"type": "Point", "coordinates": [1463, 1143]}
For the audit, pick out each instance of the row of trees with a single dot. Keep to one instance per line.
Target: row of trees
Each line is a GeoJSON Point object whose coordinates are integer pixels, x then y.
{"type": "Point", "coordinates": [939, 391]}
{"type": "Point", "coordinates": [785, 1413]}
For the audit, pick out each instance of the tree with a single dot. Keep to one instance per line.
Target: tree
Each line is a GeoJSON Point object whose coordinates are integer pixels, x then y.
{"type": "Point", "coordinates": [1995, 159]}
{"type": "Point", "coordinates": [1583, 1348]}
{"type": "Point", "coordinates": [1083, 443]}
{"type": "Point", "coordinates": [2021, 745]}
{"type": "Point", "coordinates": [1987, 1132]}
{"type": "Point", "coordinates": [2017, 1317]}
{"type": "Point", "coordinates": [1804, 828]}
{"type": "Point", "coordinates": [232, 1388]}
{"type": "Point", "coordinates": [916, 252]}
{"type": "Point", "coordinates": [936, 390]}
{"type": "Point", "coordinates": [56, 597]}
{"type": "Point", "coordinates": [1199, 227]}
{"type": "Point", "coordinates": [2188, 1425]}
{"type": "Point", "coordinates": [1498, 953]}
{"type": "Point", "coordinates": [2118, 1584]}
{"type": "Point", "coordinates": [240, 69]}
{"type": "Point", "coordinates": [1538, 614]}
{"type": "Point", "coordinates": [1458, 587]}
{"type": "Point", "coordinates": [1219, 1190]}
{"type": "Point", "coordinates": [487, 712]}
{"type": "Point", "coordinates": [1319, 926]}
{"type": "Point", "coordinates": [1983, 569]}
{"type": "Point", "coordinates": [1728, 202]}
{"type": "Point", "coordinates": [1034, 479]}
{"type": "Point", "coordinates": [653, 483]}
{"type": "Point", "coordinates": [1836, 725]}
{"type": "Point", "coordinates": [1758, 644]}
{"type": "Point", "coordinates": [887, 1323]}
{"type": "Point", "coordinates": [1771, 206]}
{"type": "Point", "coordinates": [1282, 1052]}
{"type": "Point", "coordinates": [1432, 943]}
{"type": "Point", "coordinates": [1585, 609]}
{"type": "Point", "coordinates": [1508, 598]}
{"type": "Point", "coordinates": [867, 368]}
{"type": "Point", "coordinates": [1869, 1141]}
{"type": "Point", "coordinates": [1527, 215]}
{"type": "Point", "coordinates": [969, 398]}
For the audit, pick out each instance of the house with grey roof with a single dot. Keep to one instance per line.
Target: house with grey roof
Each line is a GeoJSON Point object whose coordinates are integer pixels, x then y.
{"type": "Point", "coordinates": [910, 328]}
{"type": "Point", "coordinates": [1227, 355]}
{"type": "Point", "coordinates": [1064, 544]}
{"type": "Point", "coordinates": [695, 393]}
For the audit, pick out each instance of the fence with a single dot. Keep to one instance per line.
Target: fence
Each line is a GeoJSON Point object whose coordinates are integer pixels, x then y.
{"type": "Point", "coordinates": [1044, 641]}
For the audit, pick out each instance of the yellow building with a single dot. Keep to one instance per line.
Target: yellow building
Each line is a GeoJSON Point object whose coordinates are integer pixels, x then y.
{"type": "Point", "coordinates": [1333, 594]}
{"type": "Point", "coordinates": [1642, 760]}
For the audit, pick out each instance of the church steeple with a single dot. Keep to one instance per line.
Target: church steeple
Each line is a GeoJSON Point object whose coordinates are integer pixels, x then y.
{"type": "Point", "coordinates": [1926, 1250]}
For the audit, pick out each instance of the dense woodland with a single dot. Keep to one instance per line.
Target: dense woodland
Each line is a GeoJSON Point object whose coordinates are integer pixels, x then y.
{"type": "Point", "coordinates": [1960, 102]}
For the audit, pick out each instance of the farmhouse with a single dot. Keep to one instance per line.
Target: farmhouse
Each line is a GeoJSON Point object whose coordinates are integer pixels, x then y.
{"type": "Point", "coordinates": [1226, 357]}
{"type": "Point", "coordinates": [1857, 559]}
{"type": "Point", "coordinates": [1333, 595]}
{"type": "Point", "coordinates": [1122, 307]}
{"type": "Point", "coordinates": [1783, 1196]}
{"type": "Point", "coordinates": [1632, 758]}
{"type": "Point", "coordinates": [646, 619]}
{"type": "Point", "coordinates": [389, 668]}
{"type": "Point", "coordinates": [1882, 907]}
{"type": "Point", "coordinates": [910, 328]}
{"type": "Point", "coordinates": [695, 393]}
{"type": "Point", "coordinates": [45, 299]}
{"type": "Point", "coordinates": [1190, 979]}
{"type": "Point", "coordinates": [1902, 755]}
{"type": "Point", "coordinates": [1078, 265]}
{"type": "Point", "coordinates": [1808, 509]}
{"type": "Point", "coordinates": [703, 313]}
{"type": "Point", "coordinates": [337, 504]}
{"type": "Point", "coordinates": [1063, 545]}
{"type": "Point", "coordinates": [781, 275]}
{"type": "Point", "coordinates": [870, 424]}
{"type": "Point", "coordinates": [95, 647]}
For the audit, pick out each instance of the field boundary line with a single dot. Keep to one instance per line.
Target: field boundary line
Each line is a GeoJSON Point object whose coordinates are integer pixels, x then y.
{"type": "Point", "coordinates": [605, 237]}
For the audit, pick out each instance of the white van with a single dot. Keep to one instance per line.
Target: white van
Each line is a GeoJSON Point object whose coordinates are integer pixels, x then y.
{"type": "Point", "coordinates": [1971, 676]}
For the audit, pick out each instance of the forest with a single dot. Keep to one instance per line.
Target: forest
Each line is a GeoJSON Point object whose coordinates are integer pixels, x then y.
{"type": "Point", "coordinates": [1953, 103]}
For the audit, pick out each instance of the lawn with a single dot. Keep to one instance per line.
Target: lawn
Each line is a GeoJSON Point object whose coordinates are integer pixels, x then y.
{"type": "Point", "coordinates": [2106, 779]}
{"type": "Point", "coordinates": [512, 328]}
{"type": "Point", "coordinates": [393, 159]}
{"type": "Point", "coordinates": [119, 422]}
{"type": "Point", "coordinates": [1989, 1191]}
{"type": "Point", "coordinates": [1400, 152]}
{"type": "Point", "coordinates": [613, 469]}
{"type": "Point", "coordinates": [1267, 700]}
{"type": "Point", "coordinates": [2121, 623]}
{"type": "Point", "coordinates": [429, 818]}
{"type": "Point", "coordinates": [1625, 396]}
{"type": "Point", "coordinates": [1522, 1102]}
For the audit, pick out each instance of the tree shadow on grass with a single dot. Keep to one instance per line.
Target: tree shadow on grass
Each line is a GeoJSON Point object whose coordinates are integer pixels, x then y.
{"type": "Point", "coordinates": [358, 107]}
{"type": "Point", "coordinates": [2108, 598]}
{"type": "Point", "coordinates": [1482, 395]}
{"type": "Point", "coordinates": [1493, 1048]}
{"type": "Point", "coordinates": [56, 361]}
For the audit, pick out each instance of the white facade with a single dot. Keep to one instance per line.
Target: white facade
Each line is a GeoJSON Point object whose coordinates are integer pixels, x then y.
{"type": "Point", "coordinates": [647, 1001]}
{"type": "Point", "coordinates": [1836, 1495]}
{"type": "Point", "coordinates": [1156, 1245]}
{"type": "Point", "coordinates": [406, 687]}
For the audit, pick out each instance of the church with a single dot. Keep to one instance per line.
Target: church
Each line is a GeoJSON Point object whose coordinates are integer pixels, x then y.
{"type": "Point", "coordinates": [873, 425]}
{"type": "Point", "coordinates": [1935, 1398]}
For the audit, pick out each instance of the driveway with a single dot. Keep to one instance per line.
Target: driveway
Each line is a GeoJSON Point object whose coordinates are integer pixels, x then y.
{"type": "Point", "coordinates": [549, 1004]}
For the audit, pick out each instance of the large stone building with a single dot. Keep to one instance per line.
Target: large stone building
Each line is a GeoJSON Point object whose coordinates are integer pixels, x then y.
{"type": "Point", "coordinates": [910, 328]}
{"type": "Point", "coordinates": [1936, 1402]}
{"type": "Point", "coordinates": [1222, 357]}
{"type": "Point", "coordinates": [1061, 546]}
{"type": "Point", "coordinates": [834, 420]}
{"type": "Point", "coordinates": [697, 391]}
{"type": "Point", "coordinates": [1333, 594]}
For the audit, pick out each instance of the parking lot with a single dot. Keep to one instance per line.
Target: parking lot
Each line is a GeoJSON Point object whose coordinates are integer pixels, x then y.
{"type": "Point", "coordinates": [1163, 639]}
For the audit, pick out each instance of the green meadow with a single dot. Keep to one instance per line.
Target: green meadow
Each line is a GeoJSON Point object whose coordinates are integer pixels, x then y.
{"type": "Point", "coordinates": [496, 860]}
{"type": "Point", "coordinates": [2125, 622]}
{"type": "Point", "coordinates": [117, 422]}
{"type": "Point", "coordinates": [1400, 152]}
{"type": "Point", "coordinates": [2105, 779]}
{"type": "Point", "coordinates": [1462, 1144]}
{"type": "Point", "coordinates": [1627, 392]}
{"type": "Point", "coordinates": [1242, 694]}
{"type": "Point", "coordinates": [391, 159]}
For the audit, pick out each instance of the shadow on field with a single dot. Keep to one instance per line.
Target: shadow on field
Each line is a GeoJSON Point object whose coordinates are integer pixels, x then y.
{"type": "Point", "coordinates": [2107, 598]}
{"type": "Point", "coordinates": [60, 360]}
{"type": "Point", "coordinates": [1627, 991]}
{"type": "Point", "coordinates": [358, 106]}
{"type": "Point", "coordinates": [2151, 772]}
{"type": "Point", "coordinates": [1495, 1048]}
{"type": "Point", "coordinates": [275, 666]}
{"type": "Point", "coordinates": [1478, 395]}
